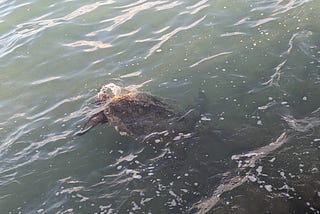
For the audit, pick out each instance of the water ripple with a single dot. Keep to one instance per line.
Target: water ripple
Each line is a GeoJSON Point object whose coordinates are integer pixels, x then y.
{"type": "Point", "coordinates": [127, 15]}
{"type": "Point", "coordinates": [193, 9]}
{"type": "Point", "coordinates": [129, 33]}
{"type": "Point", "coordinates": [232, 34]}
{"type": "Point", "coordinates": [255, 23]}
{"type": "Point", "coordinates": [275, 77]}
{"type": "Point", "coordinates": [67, 100]}
{"type": "Point", "coordinates": [161, 30]}
{"type": "Point", "coordinates": [27, 30]}
{"type": "Point", "coordinates": [300, 34]}
{"type": "Point", "coordinates": [170, 5]}
{"type": "Point", "coordinates": [284, 7]}
{"type": "Point", "coordinates": [209, 58]}
{"type": "Point", "coordinates": [243, 165]}
{"type": "Point", "coordinates": [166, 37]}
{"type": "Point", "coordinates": [302, 125]}
{"type": "Point", "coordinates": [94, 45]}
{"type": "Point", "coordinates": [46, 80]}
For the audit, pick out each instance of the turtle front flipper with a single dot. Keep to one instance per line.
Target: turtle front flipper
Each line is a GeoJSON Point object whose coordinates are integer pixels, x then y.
{"type": "Point", "coordinates": [92, 122]}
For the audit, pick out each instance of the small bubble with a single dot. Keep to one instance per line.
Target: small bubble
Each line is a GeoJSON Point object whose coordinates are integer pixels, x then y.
{"type": "Point", "coordinates": [177, 138]}
{"type": "Point", "coordinates": [272, 159]}
{"type": "Point", "coordinates": [304, 98]}
{"type": "Point", "coordinates": [259, 170]}
{"type": "Point", "coordinates": [184, 190]}
{"type": "Point", "coordinates": [252, 178]}
{"type": "Point", "coordinates": [137, 176]}
{"type": "Point", "coordinates": [157, 140]}
{"type": "Point", "coordinates": [268, 188]}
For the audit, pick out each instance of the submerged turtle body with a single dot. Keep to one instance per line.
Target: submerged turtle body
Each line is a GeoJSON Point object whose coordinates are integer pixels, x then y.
{"type": "Point", "coordinates": [136, 114]}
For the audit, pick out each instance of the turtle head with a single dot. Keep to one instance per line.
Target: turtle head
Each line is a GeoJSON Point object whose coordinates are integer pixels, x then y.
{"type": "Point", "coordinates": [103, 96]}
{"type": "Point", "coordinates": [109, 91]}
{"type": "Point", "coordinates": [112, 91]}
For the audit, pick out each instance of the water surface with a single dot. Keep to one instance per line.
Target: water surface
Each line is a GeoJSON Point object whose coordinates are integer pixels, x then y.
{"type": "Point", "coordinates": [257, 62]}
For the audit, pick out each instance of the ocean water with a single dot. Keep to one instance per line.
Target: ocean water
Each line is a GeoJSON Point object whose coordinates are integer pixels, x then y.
{"type": "Point", "coordinates": [256, 148]}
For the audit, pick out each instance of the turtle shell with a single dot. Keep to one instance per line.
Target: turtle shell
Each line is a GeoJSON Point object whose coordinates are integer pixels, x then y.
{"type": "Point", "coordinates": [138, 114]}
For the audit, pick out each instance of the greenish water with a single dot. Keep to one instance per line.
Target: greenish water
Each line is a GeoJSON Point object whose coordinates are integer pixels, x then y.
{"type": "Point", "coordinates": [258, 63]}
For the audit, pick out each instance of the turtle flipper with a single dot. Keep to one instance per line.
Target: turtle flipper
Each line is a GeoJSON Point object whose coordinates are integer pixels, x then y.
{"type": "Point", "coordinates": [92, 122]}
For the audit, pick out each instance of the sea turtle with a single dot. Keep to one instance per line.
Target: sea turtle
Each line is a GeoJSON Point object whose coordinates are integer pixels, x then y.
{"type": "Point", "coordinates": [138, 114]}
